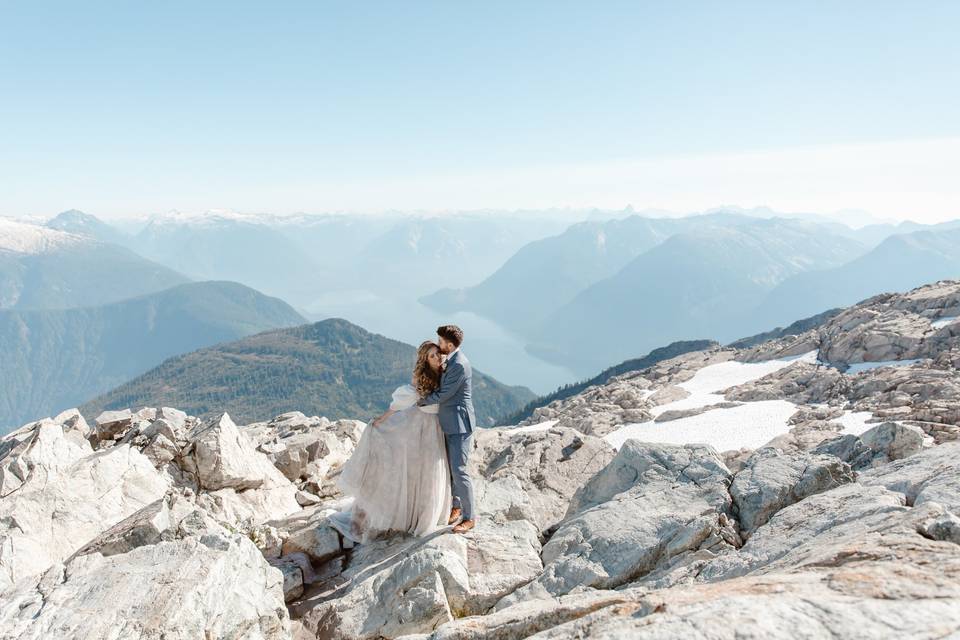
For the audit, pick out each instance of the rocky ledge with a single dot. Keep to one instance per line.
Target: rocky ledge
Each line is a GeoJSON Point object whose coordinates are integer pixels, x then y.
{"type": "Point", "coordinates": [850, 538]}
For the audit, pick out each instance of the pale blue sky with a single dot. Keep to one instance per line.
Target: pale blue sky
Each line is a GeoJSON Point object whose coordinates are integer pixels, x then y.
{"type": "Point", "coordinates": [128, 107]}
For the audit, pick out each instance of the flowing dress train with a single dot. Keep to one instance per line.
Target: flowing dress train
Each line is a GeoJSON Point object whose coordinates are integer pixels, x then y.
{"type": "Point", "coordinates": [398, 475]}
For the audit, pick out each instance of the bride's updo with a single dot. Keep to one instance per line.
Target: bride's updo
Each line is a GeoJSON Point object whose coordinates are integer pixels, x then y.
{"type": "Point", "coordinates": [425, 379]}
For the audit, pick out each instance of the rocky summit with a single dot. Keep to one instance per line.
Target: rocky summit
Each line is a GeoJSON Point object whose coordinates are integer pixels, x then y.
{"type": "Point", "coordinates": [806, 486]}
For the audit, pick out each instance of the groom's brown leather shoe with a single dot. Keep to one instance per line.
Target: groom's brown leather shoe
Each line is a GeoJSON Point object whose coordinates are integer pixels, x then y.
{"type": "Point", "coordinates": [464, 526]}
{"type": "Point", "coordinates": [455, 514]}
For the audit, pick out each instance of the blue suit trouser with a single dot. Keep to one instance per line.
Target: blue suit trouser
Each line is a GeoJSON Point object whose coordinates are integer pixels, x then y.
{"type": "Point", "coordinates": [459, 446]}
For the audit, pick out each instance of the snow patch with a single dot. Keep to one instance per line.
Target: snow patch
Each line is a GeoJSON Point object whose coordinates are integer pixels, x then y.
{"type": "Point", "coordinates": [705, 385]}
{"type": "Point", "coordinates": [751, 425]}
{"type": "Point", "coordinates": [855, 422]}
{"type": "Point", "coordinates": [942, 322]}
{"type": "Point", "coordinates": [542, 426]}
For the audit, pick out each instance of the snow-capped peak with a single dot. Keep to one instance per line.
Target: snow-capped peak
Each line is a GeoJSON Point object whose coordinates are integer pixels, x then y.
{"type": "Point", "coordinates": [211, 216]}
{"type": "Point", "coordinates": [23, 237]}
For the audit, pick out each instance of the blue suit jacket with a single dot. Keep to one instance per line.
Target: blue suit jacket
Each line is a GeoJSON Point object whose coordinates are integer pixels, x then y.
{"type": "Point", "coordinates": [455, 396]}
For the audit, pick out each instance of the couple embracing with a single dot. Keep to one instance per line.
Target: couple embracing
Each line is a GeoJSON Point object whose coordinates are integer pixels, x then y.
{"type": "Point", "coordinates": [408, 473]}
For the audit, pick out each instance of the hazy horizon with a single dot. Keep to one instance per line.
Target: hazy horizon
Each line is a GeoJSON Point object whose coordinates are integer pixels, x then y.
{"type": "Point", "coordinates": [133, 109]}
{"type": "Point", "coordinates": [853, 218]}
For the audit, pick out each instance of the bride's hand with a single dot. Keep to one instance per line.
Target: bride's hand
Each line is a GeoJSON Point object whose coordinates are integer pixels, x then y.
{"type": "Point", "coordinates": [376, 422]}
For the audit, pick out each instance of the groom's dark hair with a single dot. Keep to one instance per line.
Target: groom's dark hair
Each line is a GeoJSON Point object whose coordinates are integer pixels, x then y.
{"type": "Point", "coordinates": [451, 332]}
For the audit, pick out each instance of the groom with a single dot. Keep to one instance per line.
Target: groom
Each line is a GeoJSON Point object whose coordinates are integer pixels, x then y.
{"type": "Point", "coordinates": [456, 421]}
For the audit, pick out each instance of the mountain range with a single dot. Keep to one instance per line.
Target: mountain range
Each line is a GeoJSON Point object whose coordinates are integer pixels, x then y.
{"type": "Point", "coordinates": [304, 258]}
{"type": "Point", "coordinates": [899, 263]}
{"type": "Point", "coordinates": [584, 296]}
{"type": "Point", "coordinates": [697, 283]}
{"type": "Point", "coordinates": [545, 273]}
{"type": "Point", "coordinates": [83, 224]}
{"type": "Point", "coordinates": [558, 296]}
{"type": "Point", "coordinates": [44, 268]}
{"type": "Point", "coordinates": [229, 248]}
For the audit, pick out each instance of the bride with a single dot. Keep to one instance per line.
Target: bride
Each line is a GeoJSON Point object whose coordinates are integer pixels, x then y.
{"type": "Point", "coordinates": [398, 475]}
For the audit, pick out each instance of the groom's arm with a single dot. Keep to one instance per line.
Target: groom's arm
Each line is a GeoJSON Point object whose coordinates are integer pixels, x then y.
{"type": "Point", "coordinates": [450, 383]}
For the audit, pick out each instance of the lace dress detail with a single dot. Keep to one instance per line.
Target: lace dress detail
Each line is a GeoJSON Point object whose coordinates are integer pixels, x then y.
{"type": "Point", "coordinates": [398, 475]}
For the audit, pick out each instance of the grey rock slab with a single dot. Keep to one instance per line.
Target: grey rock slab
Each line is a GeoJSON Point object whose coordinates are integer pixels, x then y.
{"type": "Point", "coordinates": [316, 539]}
{"type": "Point", "coordinates": [532, 475]}
{"type": "Point", "coordinates": [893, 441]}
{"type": "Point", "coordinates": [223, 456]}
{"type": "Point", "coordinates": [110, 425]}
{"type": "Point", "coordinates": [772, 480]}
{"type": "Point", "coordinates": [651, 503]}
{"type": "Point", "coordinates": [70, 496]}
{"type": "Point", "coordinates": [216, 586]}
{"type": "Point", "coordinates": [900, 584]}
{"type": "Point", "coordinates": [860, 602]}
{"type": "Point", "coordinates": [932, 475]}
{"type": "Point", "coordinates": [810, 528]}
{"type": "Point", "coordinates": [942, 526]}
{"type": "Point", "coordinates": [413, 585]}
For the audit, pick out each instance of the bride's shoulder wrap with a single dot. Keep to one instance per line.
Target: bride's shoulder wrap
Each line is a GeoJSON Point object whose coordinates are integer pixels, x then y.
{"type": "Point", "coordinates": [403, 398]}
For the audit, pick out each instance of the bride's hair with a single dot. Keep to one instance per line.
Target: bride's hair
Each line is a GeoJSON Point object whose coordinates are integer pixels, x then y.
{"type": "Point", "coordinates": [425, 379]}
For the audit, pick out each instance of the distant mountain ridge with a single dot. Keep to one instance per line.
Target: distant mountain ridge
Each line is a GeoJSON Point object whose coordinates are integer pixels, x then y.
{"type": "Point", "coordinates": [331, 368]}
{"type": "Point", "coordinates": [546, 273]}
{"type": "Point", "coordinates": [45, 268]}
{"type": "Point", "coordinates": [701, 283]}
{"type": "Point", "coordinates": [84, 224]}
{"type": "Point", "coordinates": [226, 248]}
{"type": "Point", "coordinates": [303, 258]}
{"type": "Point", "coordinates": [25, 238]}
{"type": "Point", "coordinates": [899, 263]}
{"type": "Point", "coordinates": [645, 281]}
{"type": "Point", "coordinates": [793, 329]}
{"type": "Point", "coordinates": [55, 359]}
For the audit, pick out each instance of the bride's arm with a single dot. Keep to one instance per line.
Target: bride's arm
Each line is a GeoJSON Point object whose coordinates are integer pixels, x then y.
{"type": "Point", "coordinates": [403, 398]}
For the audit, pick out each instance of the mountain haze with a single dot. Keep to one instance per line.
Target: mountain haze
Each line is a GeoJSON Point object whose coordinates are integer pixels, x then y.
{"type": "Point", "coordinates": [419, 255]}
{"type": "Point", "coordinates": [43, 268]}
{"type": "Point", "coordinates": [899, 263]}
{"type": "Point", "coordinates": [700, 283]}
{"type": "Point", "coordinates": [544, 276]}
{"type": "Point", "coordinates": [546, 273]}
{"type": "Point", "coordinates": [306, 257]}
{"type": "Point", "coordinates": [228, 248]}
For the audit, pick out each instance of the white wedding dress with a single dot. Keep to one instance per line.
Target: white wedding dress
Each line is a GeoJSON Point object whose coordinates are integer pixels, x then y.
{"type": "Point", "coordinates": [398, 475]}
